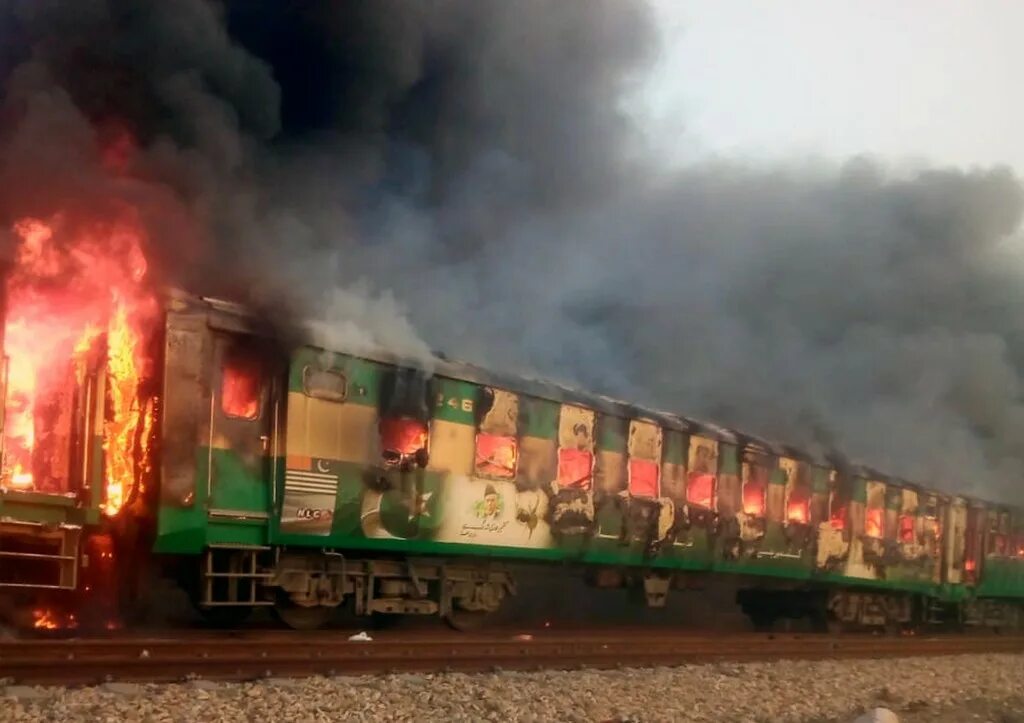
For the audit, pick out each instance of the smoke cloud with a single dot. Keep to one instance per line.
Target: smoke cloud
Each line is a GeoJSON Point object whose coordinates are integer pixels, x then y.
{"type": "Point", "coordinates": [464, 174]}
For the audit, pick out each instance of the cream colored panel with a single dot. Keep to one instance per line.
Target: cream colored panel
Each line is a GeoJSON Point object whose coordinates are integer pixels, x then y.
{"type": "Point", "coordinates": [875, 495]}
{"type": "Point", "coordinates": [296, 440]}
{"type": "Point", "coordinates": [342, 431]}
{"type": "Point", "coordinates": [538, 460]}
{"type": "Point", "coordinates": [703, 456]}
{"type": "Point", "coordinates": [329, 430]}
{"type": "Point", "coordinates": [452, 447]}
{"type": "Point", "coordinates": [910, 502]}
{"type": "Point", "coordinates": [610, 475]}
{"type": "Point", "coordinates": [503, 417]}
{"type": "Point", "coordinates": [645, 440]}
{"type": "Point", "coordinates": [576, 428]}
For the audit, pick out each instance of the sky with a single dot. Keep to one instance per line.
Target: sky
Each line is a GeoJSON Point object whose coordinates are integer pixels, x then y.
{"type": "Point", "coordinates": [914, 80]}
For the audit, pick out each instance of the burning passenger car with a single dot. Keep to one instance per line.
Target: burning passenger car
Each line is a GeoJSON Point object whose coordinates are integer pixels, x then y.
{"type": "Point", "coordinates": [165, 434]}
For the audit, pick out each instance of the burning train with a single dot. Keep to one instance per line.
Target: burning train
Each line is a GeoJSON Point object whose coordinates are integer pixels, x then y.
{"type": "Point", "coordinates": [166, 435]}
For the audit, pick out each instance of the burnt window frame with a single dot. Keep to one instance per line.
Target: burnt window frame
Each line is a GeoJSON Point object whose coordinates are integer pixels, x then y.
{"type": "Point", "coordinates": [331, 372]}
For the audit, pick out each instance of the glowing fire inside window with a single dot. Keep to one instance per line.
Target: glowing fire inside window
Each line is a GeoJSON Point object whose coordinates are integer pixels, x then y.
{"type": "Point", "coordinates": [798, 509]}
{"type": "Point", "coordinates": [907, 533]}
{"type": "Point", "coordinates": [241, 388]}
{"type": "Point", "coordinates": [76, 306]}
{"type": "Point", "coordinates": [874, 522]}
{"type": "Point", "coordinates": [496, 456]}
{"type": "Point", "coordinates": [700, 489]}
{"type": "Point", "coordinates": [754, 491]}
{"type": "Point", "coordinates": [970, 565]}
{"type": "Point", "coordinates": [401, 437]}
{"type": "Point", "coordinates": [643, 478]}
{"type": "Point", "coordinates": [575, 468]}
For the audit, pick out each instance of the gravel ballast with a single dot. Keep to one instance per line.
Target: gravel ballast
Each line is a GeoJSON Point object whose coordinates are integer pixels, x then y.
{"type": "Point", "coordinates": [968, 687]}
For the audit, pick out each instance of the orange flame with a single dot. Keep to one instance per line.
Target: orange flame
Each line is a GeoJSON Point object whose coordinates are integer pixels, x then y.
{"type": "Point", "coordinates": [44, 620]}
{"type": "Point", "coordinates": [47, 619]}
{"type": "Point", "coordinates": [70, 293]}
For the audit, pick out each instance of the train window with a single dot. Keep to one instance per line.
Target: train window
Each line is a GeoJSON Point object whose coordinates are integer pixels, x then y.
{"type": "Point", "coordinates": [643, 478]}
{"type": "Point", "coordinates": [755, 488]}
{"type": "Point", "coordinates": [701, 477]}
{"type": "Point", "coordinates": [874, 522]}
{"type": "Point", "coordinates": [998, 539]}
{"type": "Point", "coordinates": [798, 507]}
{"type": "Point", "coordinates": [644, 448]}
{"type": "Point", "coordinates": [575, 468]}
{"type": "Point", "coordinates": [497, 446]}
{"type": "Point", "coordinates": [241, 387]}
{"type": "Point", "coordinates": [496, 456]}
{"type": "Point", "coordinates": [906, 529]}
{"type": "Point", "coordinates": [972, 535]}
{"type": "Point", "coordinates": [324, 384]}
{"type": "Point", "coordinates": [402, 438]}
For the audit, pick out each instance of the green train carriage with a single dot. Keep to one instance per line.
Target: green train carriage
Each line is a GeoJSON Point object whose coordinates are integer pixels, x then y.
{"type": "Point", "coordinates": [333, 477]}
{"type": "Point", "coordinates": [307, 479]}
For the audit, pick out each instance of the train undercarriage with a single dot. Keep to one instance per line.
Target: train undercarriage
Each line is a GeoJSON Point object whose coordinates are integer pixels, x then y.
{"type": "Point", "coordinates": [307, 589]}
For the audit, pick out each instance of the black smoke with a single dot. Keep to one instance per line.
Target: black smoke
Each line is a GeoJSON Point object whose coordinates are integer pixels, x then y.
{"type": "Point", "coordinates": [475, 163]}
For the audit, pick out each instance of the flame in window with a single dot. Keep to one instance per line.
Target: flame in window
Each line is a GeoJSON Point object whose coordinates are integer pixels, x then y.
{"type": "Point", "coordinates": [240, 388]}
{"type": "Point", "coordinates": [402, 437]}
{"type": "Point", "coordinates": [643, 478]}
{"type": "Point", "coordinates": [907, 533]}
{"type": "Point", "coordinates": [496, 456]}
{"type": "Point", "coordinates": [77, 299]}
{"type": "Point", "coordinates": [575, 468]}
{"type": "Point", "coordinates": [874, 522]}
{"type": "Point", "coordinates": [700, 489]}
{"type": "Point", "coordinates": [754, 499]}
{"type": "Point", "coordinates": [798, 510]}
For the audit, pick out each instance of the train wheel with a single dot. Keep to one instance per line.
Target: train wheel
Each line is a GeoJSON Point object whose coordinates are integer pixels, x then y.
{"type": "Point", "coordinates": [298, 617]}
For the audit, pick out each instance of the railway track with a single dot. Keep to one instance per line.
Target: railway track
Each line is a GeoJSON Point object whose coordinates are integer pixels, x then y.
{"type": "Point", "coordinates": [227, 657]}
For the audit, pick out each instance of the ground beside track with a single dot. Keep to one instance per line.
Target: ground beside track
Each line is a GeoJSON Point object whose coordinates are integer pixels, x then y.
{"type": "Point", "coordinates": [919, 689]}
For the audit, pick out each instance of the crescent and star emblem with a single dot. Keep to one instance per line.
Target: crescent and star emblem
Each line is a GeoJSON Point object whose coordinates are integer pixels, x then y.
{"type": "Point", "coordinates": [321, 466]}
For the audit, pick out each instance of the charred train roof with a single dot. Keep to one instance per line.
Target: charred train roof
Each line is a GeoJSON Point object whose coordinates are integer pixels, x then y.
{"type": "Point", "coordinates": [231, 316]}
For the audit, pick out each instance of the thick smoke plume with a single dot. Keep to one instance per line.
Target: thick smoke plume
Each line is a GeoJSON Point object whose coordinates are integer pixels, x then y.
{"type": "Point", "coordinates": [474, 162]}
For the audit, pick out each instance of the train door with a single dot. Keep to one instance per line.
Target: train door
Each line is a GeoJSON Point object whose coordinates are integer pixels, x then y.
{"type": "Point", "coordinates": [243, 410]}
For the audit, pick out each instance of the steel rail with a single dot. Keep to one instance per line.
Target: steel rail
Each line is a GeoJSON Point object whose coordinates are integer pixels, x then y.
{"type": "Point", "coordinates": [82, 662]}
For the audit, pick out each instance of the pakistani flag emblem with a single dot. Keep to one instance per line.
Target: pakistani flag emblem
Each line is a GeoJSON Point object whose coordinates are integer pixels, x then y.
{"type": "Point", "coordinates": [412, 509]}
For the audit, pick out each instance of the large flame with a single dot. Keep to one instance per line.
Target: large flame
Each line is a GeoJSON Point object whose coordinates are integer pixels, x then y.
{"type": "Point", "coordinates": [76, 296]}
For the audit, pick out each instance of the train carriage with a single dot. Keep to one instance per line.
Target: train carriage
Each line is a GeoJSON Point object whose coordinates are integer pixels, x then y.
{"type": "Point", "coordinates": [306, 478]}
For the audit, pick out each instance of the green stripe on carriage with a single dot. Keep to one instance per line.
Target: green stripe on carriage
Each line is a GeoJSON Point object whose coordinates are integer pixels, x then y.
{"type": "Point", "coordinates": [455, 401]}
{"type": "Point", "coordinates": [728, 459]}
{"type": "Point", "coordinates": [362, 377]}
{"type": "Point", "coordinates": [819, 477]}
{"type": "Point", "coordinates": [674, 446]}
{"type": "Point", "coordinates": [611, 433]}
{"type": "Point", "coordinates": [538, 417]}
{"type": "Point", "coordinates": [893, 498]}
